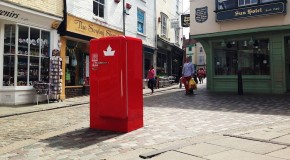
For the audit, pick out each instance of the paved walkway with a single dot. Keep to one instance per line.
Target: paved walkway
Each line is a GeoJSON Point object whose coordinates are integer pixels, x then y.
{"type": "Point", "coordinates": [7, 111]}
{"type": "Point", "coordinates": [205, 126]}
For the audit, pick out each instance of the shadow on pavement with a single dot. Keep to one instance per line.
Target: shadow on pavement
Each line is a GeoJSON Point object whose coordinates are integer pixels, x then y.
{"type": "Point", "coordinates": [80, 139]}
{"type": "Point", "coordinates": [254, 103]}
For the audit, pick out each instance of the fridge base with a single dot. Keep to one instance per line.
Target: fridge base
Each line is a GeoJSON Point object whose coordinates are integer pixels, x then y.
{"type": "Point", "coordinates": [117, 125]}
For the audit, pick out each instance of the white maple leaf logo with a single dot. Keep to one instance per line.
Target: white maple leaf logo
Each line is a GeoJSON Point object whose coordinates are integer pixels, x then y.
{"type": "Point", "coordinates": [109, 51]}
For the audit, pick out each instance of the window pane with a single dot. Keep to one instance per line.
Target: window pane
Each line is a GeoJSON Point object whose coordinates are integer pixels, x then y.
{"type": "Point", "coordinates": [251, 59]}
{"type": "Point", "coordinates": [8, 70]}
{"type": "Point", "coordinates": [241, 2]}
{"type": "Point", "coordinates": [22, 70]}
{"type": "Point", "coordinates": [22, 62]}
{"type": "Point", "coordinates": [45, 43]}
{"type": "Point", "coordinates": [33, 70]}
{"type": "Point", "coordinates": [96, 8]}
{"type": "Point", "coordinates": [9, 55]}
{"type": "Point", "coordinates": [101, 11]}
{"type": "Point", "coordinates": [34, 46]}
{"type": "Point", "coordinates": [140, 23]}
{"type": "Point", "coordinates": [254, 1]}
{"type": "Point", "coordinates": [229, 4]}
{"type": "Point", "coordinates": [225, 62]}
{"type": "Point", "coordinates": [45, 50]}
{"type": "Point", "coordinates": [140, 27]}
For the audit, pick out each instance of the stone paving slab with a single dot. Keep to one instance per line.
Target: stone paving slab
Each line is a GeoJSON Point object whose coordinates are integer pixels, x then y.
{"type": "Point", "coordinates": [265, 135]}
{"type": "Point", "coordinates": [239, 155]}
{"type": "Point", "coordinates": [283, 153]}
{"type": "Point", "coordinates": [202, 149]}
{"type": "Point", "coordinates": [130, 155]}
{"type": "Point", "coordinates": [283, 139]}
{"type": "Point", "coordinates": [173, 155]}
{"type": "Point", "coordinates": [248, 145]}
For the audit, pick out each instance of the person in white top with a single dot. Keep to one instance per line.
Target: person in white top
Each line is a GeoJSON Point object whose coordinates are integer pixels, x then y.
{"type": "Point", "coordinates": [187, 73]}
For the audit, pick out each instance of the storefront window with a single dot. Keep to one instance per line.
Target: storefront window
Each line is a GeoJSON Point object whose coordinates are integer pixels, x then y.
{"type": "Point", "coordinates": [24, 65]}
{"type": "Point", "coordinates": [250, 56]}
{"type": "Point", "coordinates": [76, 72]}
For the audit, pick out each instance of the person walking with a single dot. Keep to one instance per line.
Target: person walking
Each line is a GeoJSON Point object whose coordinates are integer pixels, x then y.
{"type": "Point", "coordinates": [200, 75]}
{"type": "Point", "coordinates": [187, 74]}
{"type": "Point", "coordinates": [151, 79]}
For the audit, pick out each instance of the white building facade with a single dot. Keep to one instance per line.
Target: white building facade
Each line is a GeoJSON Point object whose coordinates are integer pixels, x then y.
{"type": "Point", "coordinates": [27, 37]}
{"type": "Point", "coordinates": [88, 19]}
{"type": "Point", "coordinates": [169, 37]}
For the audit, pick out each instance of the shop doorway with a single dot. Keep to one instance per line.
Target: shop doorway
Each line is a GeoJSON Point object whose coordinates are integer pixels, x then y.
{"type": "Point", "coordinates": [287, 62]}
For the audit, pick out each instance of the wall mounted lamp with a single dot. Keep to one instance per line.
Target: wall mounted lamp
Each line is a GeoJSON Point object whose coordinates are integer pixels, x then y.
{"type": "Point", "coordinates": [128, 5]}
{"type": "Point", "coordinates": [117, 1]}
{"type": "Point", "coordinates": [223, 44]}
{"type": "Point", "coordinates": [251, 41]}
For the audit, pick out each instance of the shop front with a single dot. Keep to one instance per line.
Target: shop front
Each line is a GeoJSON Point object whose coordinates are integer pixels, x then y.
{"type": "Point", "coordinates": [27, 39]}
{"type": "Point", "coordinates": [75, 36]}
{"type": "Point", "coordinates": [251, 39]}
{"type": "Point", "coordinates": [169, 58]}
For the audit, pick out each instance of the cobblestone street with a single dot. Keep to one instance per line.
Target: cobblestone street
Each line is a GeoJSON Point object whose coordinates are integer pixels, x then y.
{"type": "Point", "coordinates": [169, 116]}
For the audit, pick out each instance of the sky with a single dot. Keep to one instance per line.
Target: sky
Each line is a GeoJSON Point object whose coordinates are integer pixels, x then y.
{"type": "Point", "coordinates": [186, 9]}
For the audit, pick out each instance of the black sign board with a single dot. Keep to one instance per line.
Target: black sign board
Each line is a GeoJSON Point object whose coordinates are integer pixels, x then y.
{"type": "Point", "coordinates": [185, 20]}
{"type": "Point", "coordinates": [201, 14]}
{"type": "Point", "coordinates": [254, 11]}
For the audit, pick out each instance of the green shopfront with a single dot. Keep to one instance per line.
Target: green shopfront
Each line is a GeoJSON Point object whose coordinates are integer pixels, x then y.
{"type": "Point", "coordinates": [248, 36]}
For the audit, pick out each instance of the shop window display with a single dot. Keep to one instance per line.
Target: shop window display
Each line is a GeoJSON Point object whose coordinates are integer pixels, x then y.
{"type": "Point", "coordinates": [249, 56]}
{"type": "Point", "coordinates": [75, 73]}
{"type": "Point", "coordinates": [25, 56]}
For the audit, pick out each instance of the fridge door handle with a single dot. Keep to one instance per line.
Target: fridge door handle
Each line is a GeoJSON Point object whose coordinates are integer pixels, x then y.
{"type": "Point", "coordinates": [103, 62]}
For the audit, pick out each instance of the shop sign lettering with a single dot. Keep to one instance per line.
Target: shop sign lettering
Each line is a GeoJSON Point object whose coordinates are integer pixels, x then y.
{"type": "Point", "coordinates": [261, 10]}
{"type": "Point", "coordinates": [10, 14]}
{"type": "Point", "coordinates": [84, 27]}
{"type": "Point", "coordinates": [201, 14]}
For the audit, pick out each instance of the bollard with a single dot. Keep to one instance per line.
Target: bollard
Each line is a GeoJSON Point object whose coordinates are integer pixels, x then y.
{"type": "Point", "coordinates": [240, 83]}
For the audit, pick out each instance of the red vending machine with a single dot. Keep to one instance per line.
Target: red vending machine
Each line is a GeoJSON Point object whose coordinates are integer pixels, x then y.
{"type": "Point", "coordinates": [116, 96]}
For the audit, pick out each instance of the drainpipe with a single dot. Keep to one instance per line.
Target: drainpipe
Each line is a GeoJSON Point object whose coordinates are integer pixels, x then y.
{"type": "Point", "coordinates": [155, 30]}
{"type": "Point", "coordinates": [124, 13]}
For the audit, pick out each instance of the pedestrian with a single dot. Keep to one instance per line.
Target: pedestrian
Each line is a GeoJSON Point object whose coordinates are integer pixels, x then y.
{"type": "Point", "coordinates": [187, 74]}
{"type": "Point", "coordinates": [151, 78]}
{"type": "Point", "coordinates": [200, 75]}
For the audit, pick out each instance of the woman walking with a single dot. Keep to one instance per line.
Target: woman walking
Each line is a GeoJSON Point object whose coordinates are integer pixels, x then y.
{"type": "Point", "coordinates": [151, 79]}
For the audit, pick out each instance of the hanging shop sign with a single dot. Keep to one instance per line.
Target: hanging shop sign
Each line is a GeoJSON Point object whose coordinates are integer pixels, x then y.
{"type": "Point", "coordinates": [174, 23]}
{"type": "Point", "coordinates": [185, 20]}
{"type": "Point", "coordinates": [83, 27]}
{"type": "Point", "coordinates": [201, 14]}
{"type": "Point", "coordinates": [254, 11]}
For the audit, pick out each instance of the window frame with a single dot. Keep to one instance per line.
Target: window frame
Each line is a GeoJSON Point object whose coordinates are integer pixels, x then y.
{"type": "Point", "coordinates": [164, 24]}
{"type": "Point", "coordinates": [144, 21]}
{"type": "Point", "coordinates": [252, 59]}
{"type": "Point", "coordinates": [220, 4]}
{"type": "Point", "coordinates": [29, 54]}
{"type": "Point", "coordinates": [98, 9]}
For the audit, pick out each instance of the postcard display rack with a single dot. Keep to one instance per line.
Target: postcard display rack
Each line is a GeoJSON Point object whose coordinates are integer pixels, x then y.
{"type": "Point", "coordinates": [55, 76]}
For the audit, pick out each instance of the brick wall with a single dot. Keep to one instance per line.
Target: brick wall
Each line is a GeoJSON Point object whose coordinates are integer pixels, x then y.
{"type": "Point", "coordinates": [77, 91]}
{"type": "Point", "coordinates": [54, 7]}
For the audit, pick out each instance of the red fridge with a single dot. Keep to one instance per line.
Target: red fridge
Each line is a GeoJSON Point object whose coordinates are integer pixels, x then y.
{"type": "Point", "coordinates": [116, 96]}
